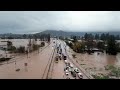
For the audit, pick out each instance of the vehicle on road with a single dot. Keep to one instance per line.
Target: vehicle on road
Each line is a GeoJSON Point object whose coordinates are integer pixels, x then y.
{"type": "Point", "coordinates": [66, 68]}
{"type": "Point", "coordinates": [67, 72]}
{"type": "Point", "coordinates": [69, 69]}
{"type": "Point", "coordinates": [68, 64]}
{"type": "Point", "coordinates": [56, 59]}
{"type": "Point", "coordinates": [76, 70]}
{"type": "Point", "coordinates": [73, 74]}
{"type": "Point", "coordinates": [64, 56]}
{"type": "Point", "coordinates": [66, 61]}
{"type": "Point", "coordinates": [71, 65]}
{"type": "Point", "coordinates": [80, 76]}
{"type": "Point", "coordinates": [60, 57]}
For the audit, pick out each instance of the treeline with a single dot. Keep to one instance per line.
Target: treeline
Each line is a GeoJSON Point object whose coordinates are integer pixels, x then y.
{"type": "Point", "coordinates": [102, 36]}
{"type": "Point", "coordinates": [22, 49]}
{"type": "Point", "coordinates": [87, 44]}
{"type": "Point", "coordinates": [43, 37]}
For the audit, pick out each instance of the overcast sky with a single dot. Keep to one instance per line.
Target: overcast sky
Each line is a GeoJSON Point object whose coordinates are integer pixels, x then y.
{"type": "Point", "coordinates": [37, 21]}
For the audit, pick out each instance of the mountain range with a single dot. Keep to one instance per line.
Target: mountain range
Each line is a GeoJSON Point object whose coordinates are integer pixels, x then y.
{"type": "Point", "coordinates": [58, 33]}
{"type": "Point", "coordinates": [67, 34]}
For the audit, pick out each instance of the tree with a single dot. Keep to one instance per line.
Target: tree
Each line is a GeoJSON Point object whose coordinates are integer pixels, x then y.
{"type": "Point", "coordinates": [21, 49]}
{"type": "Point", "coordinates": [86, 36]}
{"type": "Point", "coordinates": [102, 37]}
{"type": "Point", "coordinates": [42, 44]}
{"type": "Point", "coordinates": [74, 38]}
{"type": "Point", "coordinates": [10, 37]}
{"type": "Point", "coordinates": [9, 44]}
{"type": "Point", "coordinates": [97, 36]}
{"type": "Point", "coordinates": [89, 44]}
{"type": "Point", "coordinates": [35, 47]}
{"type": "Point", "coordinates": [76, 47]}
{"type": "Point", "coordinates": [100, 45]}
{"type": "Point", "coordinates": [107, 36]}
{"type": "Point", "coordinates": [35, 37]}
{"type": "Point", "coordinates": [117, 37]}
{"type": "Point", "coordinates": [48, 37]}
{"type": "Point", "coordinates": [111, 45]}
{"type": "Point", "coordinates": [24, 36]}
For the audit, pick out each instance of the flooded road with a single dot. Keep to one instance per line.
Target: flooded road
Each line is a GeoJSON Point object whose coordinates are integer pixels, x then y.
{"type": "Point", "coordinates": [34, 69]}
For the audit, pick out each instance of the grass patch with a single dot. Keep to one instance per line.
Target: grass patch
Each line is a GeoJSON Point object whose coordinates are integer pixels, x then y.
{"type": "Point", "coordinates": [101, 77]}
{"type": "Point", "coordinates": [109, 67]}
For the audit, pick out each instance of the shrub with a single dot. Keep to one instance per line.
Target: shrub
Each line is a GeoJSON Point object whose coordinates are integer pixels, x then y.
{"type": "Point", "coordinates": [42, 44]}
{"type": "Point", "coordinates": [101, 77]}
{"type": "Point", "coordinates": [12, 49]}
{"type": "Point", "coordinates": [74, 56]}
{"type": "Point", "coordinates": [35, 47]}
{"type": "Point", "coordinates": [21, 49]}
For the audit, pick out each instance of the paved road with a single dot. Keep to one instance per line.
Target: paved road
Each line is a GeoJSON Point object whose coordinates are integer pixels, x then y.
{"type": "Point", "coordinates": [58, 71]}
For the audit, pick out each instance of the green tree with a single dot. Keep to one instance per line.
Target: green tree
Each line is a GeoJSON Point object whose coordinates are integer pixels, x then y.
{"type": "Point", "coordinates": [111, 45]}
{"type": "Point", "coordinates": [117, 37]}
{"type": "Point", "coordinates": [100, 45]}
{"type": "Point", "coordinates": [9, 44]}
{"type": "Point", "coordinates": [97, 37]}
{"type": "Point", "coordinates": [86, 36]}
{"type": "Point", "coordinates": [24, 36]}
{"type": "Point", "coordinates": [74, 38]}
{"type": "Point", "coordinates": [42, 44]}
{"type": "Point", "coordinates": [102, 37]}
{"type": "Point", "coordinates": [21, 49]}
{"type": "Point", "coordinates": [48, 37]}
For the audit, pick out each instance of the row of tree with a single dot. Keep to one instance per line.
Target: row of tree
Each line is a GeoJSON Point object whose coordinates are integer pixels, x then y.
{"type": "Point", "coordinates": [109, 44]}
{"type": "Point", "coordinates": [100, 37]}
{"type": "Point", "coordinates": [22, 49]}
{"type": "Point", "coordinates": [90, 36]}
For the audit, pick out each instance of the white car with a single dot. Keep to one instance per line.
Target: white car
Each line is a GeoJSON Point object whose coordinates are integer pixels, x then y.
{"type": "Point", "coordinates": [67, 72]}
{"type": "Point", "coordinates": [71, 65]}
{"type": "Point", "coordinates": [69, 69]}
{"type": "Point", "coordinates": [76, 70]}
{"type": "Point", "coordinates": [66, 61]}
{"type": "Point", "coordinates": [80, 75]}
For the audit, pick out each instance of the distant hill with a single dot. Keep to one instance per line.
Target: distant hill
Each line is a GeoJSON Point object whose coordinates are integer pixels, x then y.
{"type": "Point", "coordinates": [67, 34]}
{"type": "Point", "coordinates": [56, 33]}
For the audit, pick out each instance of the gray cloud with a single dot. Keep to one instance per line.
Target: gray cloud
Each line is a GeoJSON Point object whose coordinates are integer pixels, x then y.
{"type": "Point", "coordinates": [36, 21]}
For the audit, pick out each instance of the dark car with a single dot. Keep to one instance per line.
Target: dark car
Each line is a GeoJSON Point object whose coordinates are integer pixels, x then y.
{"type": "Point", "coordinates": [64, 57]}
{"type": "Point", "coordinates": [73, 73]}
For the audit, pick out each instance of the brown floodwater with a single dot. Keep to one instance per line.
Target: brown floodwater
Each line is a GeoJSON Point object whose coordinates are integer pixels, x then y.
{"type": "Point", "coordinates": [34, 70]}
{"type": "Point", "coordinates": [100, 60]}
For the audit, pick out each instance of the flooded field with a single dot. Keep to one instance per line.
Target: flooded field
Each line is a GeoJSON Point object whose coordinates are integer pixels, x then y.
{"type": "Point", "coordinates": [35, 68]}
{"type": "Point", "coordinates": [96, 63]}
{"type": "Point", "coordinates": [18, 42]}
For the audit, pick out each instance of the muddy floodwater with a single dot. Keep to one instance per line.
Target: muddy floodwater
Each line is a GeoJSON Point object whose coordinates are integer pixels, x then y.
{"type": "Point", "coordinates": [36, 62]}
{"type": "Point", "coordinates": [96, 63]}
{"type": "Point", "coordinates": [18, 42]}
